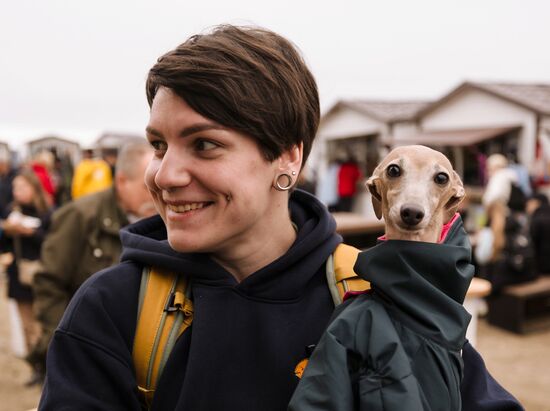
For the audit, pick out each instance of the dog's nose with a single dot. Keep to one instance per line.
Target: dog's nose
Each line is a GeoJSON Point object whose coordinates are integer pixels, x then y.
{"type": "Point", "coordinates": [411, 214]}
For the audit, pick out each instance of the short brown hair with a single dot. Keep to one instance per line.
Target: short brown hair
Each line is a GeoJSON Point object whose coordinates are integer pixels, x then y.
{"type": "Point", "coordinates": [248, 79]}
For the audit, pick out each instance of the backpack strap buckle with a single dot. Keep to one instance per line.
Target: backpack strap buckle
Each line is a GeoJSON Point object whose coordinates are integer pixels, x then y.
{"type": "Point", "coordinates": [175, 302]}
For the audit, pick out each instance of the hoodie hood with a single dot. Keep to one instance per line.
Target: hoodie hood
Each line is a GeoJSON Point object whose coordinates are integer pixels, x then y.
{"type": "Point", "coordinates": [145, 242]}
{"type": "Point", "coordinates": [423, 283]}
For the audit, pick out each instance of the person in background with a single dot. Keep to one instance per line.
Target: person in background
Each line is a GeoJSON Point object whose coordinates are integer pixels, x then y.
{"type": "Point", "coordinates": [234, 113]}
{"type": "Point", "coordinates": [84, 238]}
{"type": "Point", "coordinates": [512, 257]}
{"type": "Point", "coordinates": [348, 175]}
{"type": "Point", "coordinates": [523, 178]}
{"type": "Point", "coordinates": [62, 177]}
{"type": "Point", "coordinates": [327, 186]}
{"type": "Point", "coordinates": [24, 228]}
{"type": "Point", "coordinates": [496, 196]}
{"type": "Point", "coordinates": [42, 164]}
{"type": "Point", "coordinates": [7, 174]}
{"type": "Point", "coordinates": [90, 175]}
{"type": "Point", "coordinates": [109, 155]}
{"type": "Point", "coordinates": [538, 209]}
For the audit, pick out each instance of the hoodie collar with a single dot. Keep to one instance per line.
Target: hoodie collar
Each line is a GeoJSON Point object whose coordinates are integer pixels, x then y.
{"type": "Point", "coordinates": [145, 242]}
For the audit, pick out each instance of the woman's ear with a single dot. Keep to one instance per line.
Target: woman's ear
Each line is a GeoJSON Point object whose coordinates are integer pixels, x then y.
{"type": "Point", "coordinates": [291, 159]}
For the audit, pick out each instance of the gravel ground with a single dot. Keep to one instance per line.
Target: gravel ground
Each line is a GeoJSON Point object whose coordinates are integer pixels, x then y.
{"type": "Point", "coordinates": [14, 396]}
{"type": "Point", "coordinates": [519, 363]}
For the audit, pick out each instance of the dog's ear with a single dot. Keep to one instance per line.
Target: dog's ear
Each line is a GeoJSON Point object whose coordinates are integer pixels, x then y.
{"type": "Point", "coordinates": [457, 188]}
{"type": "Point", "coordinates": [373, 184]}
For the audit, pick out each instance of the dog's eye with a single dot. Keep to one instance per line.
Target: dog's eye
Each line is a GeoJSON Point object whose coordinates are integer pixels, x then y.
{"type": "Point", "coordinates": [393, 171]}
{"type": "Point", "coordinates": [441, 178]}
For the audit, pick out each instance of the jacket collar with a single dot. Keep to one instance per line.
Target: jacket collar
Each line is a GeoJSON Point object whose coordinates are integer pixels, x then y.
{"type": "Point", "coordinates": [424, 283]}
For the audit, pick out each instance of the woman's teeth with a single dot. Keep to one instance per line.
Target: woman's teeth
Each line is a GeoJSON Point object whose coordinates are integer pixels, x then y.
{"type": "Point", "coordinates": [186, 207]}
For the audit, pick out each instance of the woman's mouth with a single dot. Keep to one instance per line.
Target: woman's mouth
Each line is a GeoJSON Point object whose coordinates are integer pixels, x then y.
{"type": "Point", "coordinates": [183, 208]}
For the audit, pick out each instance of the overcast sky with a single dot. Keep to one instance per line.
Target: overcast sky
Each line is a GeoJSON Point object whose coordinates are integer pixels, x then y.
{"type": "Point", "coordinates": [79, 67]}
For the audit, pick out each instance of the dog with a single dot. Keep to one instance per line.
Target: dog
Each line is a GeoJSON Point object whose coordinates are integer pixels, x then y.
{"type": "Point", "coordinates": [397, 346]}
{"type": "Point", "coordinates": [416, 191]}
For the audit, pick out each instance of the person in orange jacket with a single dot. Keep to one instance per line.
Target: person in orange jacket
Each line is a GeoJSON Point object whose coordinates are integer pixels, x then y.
{"type": "Point", "coordinates": [91, 175]}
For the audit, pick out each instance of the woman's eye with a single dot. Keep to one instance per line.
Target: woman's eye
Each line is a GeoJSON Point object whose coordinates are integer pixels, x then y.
{"type": "Point", "coordinates": [441, 178]}
{"type": "Point", "coordinates": [205, 145]}
{"type": "Point", "coordinates": [158, 145]}
{"type": "Point", "coordinates": [393, 171]}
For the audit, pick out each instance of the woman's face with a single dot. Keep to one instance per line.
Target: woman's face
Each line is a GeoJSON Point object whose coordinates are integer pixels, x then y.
{"type": "Point", "coordinates": [211, 185]}
{"type": "Point", "coordinates": [23, 191]}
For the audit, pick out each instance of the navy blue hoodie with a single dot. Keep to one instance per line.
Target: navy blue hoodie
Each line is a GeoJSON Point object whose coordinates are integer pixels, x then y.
{"type": "Point", "coordinates": [245, 340]}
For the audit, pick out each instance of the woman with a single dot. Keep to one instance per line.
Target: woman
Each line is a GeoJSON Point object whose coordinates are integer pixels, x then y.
{"type": "Point", "coordinates": [24, 228]}
{"type": "Point", "coordinates": [233, 117]}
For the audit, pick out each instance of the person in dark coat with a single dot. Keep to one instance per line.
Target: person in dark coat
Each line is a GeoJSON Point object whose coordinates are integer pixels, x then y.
{"type": "Point", "coordinates": [234, 113]}
{"type": "Point", "coordinates": [539, 208]}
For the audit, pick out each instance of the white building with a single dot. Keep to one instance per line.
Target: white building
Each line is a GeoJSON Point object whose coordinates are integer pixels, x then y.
{"type": "Point", "coordinates": [62, 146]}
{"type": "Point", "coordinates": [115, 140]}
{"type": "Point", "coordinates": [467, 124]}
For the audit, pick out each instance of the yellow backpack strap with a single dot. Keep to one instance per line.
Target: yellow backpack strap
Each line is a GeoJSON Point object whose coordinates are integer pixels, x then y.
{"type": "Point", "coordinates": [340, 275]}
{"type": "Point", "coordinates": [165, 310]}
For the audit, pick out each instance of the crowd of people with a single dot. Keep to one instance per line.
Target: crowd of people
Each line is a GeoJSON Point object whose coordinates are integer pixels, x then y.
{"type": "Point", "coordinates": [233, 116]}
{"type": "Point", "coordinates": [339, 184]}
{"type": "Point", "coordinates": [55, 235]}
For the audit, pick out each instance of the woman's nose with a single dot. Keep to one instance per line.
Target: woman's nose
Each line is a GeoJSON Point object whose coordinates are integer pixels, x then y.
{"type": "Point", "coordinates": [172, 171]}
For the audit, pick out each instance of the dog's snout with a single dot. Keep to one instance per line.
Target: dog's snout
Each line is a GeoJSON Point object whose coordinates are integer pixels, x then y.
{"type": "Point", "coordinates": [411, 214]}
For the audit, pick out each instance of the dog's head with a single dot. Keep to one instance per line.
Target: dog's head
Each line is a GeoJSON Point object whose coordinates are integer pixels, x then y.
{"type": "Point", "coordinates": [416, 190]}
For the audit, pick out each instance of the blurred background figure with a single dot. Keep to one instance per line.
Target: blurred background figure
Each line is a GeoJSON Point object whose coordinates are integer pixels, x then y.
{"type": "Point", "coordinates": [7, 174]}
{"type": "Point", "coordinates": [109, 155]}
{"type": "Point", "coordinates": [500, 181]}
{"type": "Point", "coordinates": [538, 209]}
{"type": "Point", "coordinates": [348, 176]}
{"type": "Point", "coordinates": [62, 175]}
{"type": "Point", "coordinates": [327, 186]}
{"type": "Point", "coordinates": [84, 239]}
{"type": "Point", "coordinates": [42, 163]}
{"type": "Point", "coordinates": [24, 228]}
{"type": "Point", "coordinates": [90, 175]}
{"type": "Point", "coordinates": [523, 178]}
{"type": "Point", "coordinates": [512, 256]}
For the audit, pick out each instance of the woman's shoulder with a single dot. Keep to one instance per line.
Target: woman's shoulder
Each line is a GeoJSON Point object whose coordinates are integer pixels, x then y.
{"type": "Point", "coordinates": [109, 298]}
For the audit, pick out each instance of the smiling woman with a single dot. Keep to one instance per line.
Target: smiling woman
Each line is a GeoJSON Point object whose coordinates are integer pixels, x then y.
{"type": "Point", "coordinates": [233, 116]}
{"type": "Point", "coordinates": [212, 187]}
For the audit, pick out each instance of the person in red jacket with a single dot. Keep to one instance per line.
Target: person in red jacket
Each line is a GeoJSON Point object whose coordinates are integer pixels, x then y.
{"type": "Point", "coordinates": [42, 164]}
{"type": "Point", "coordinates": [348, 175]}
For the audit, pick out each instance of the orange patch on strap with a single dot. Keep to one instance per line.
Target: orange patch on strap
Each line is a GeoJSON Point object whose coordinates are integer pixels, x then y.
{"type": "Point", "coordinates": [300, 368]}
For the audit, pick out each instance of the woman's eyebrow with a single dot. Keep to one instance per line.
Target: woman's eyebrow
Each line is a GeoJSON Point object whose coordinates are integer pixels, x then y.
{"type": "Point", "coordinates": [152, 131]}
{"type": "Point", "coordinates": [200, 127]}
{"type": "Point", "coordinates": [195, 128]}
